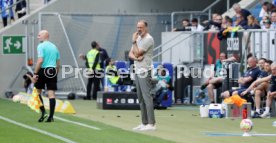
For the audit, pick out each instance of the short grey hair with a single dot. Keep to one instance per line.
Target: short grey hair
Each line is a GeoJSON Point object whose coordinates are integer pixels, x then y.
{"type": "Point", "coordinates": [236, 5]}
{"type": "Point", "coordinates": [273, 64]}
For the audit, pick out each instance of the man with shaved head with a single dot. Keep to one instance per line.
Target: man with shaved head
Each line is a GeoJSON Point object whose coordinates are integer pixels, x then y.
{"type": "Point", "coordinates": [246, 80]}
{"type": "Point", "coordinates": [46, 70]}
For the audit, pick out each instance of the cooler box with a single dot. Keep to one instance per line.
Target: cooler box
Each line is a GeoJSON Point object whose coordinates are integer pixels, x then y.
{"type": "Point", "coordinates": [216, 111]}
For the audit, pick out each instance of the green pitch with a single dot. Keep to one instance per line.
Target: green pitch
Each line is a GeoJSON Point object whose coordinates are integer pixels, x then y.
{"type": "Point", "coordinates": [10, 133]}
{"type": "Point", "coordinates": [177, 124]}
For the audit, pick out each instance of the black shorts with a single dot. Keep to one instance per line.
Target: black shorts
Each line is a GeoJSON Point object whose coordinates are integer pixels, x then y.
{"type": "Point", "coordinates": [272, 88]}
{"type": "Point", "coordinates": [217, 85]}
{"type": "Point", "coordinates": [48, 77]}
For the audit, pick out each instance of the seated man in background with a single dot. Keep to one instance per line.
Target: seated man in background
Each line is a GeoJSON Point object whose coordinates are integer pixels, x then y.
{"type": "Point", "coordinates": [245, 81]}
{"type": "Point", "coordinates": [163, 85]}
{"type": "Point", "coordinates": [112, 77]}
{"type": "Point", "coordinates": [261, 64]}
{"type": "Point", "coordinates": [28, 82]}
{"type": "Point", "coordinates": [261, 88]}
{"type": "Point", "coordinates": [272, 90]}
{"type": "Point", "coordinates": [215, 81]}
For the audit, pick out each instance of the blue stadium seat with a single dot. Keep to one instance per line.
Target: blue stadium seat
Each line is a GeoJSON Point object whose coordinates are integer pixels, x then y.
{"type": "Point", "coordinates": [124, 68]}
{"type": "Point", "coordinates": [121, 64]}
{"type": "Point", "coordinates": [155, 64]}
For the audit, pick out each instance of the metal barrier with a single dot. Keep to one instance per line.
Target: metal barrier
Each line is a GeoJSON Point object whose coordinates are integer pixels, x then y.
{"type": "Point", "coordinates": [262, 44]}
{"type": "Point", "coordinates": [192, 14]}
{"type": "Point", "coordinates": [179, 47]}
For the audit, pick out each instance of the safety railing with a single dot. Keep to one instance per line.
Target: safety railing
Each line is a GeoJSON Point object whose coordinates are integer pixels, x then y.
{"type": "Point", "coordinates": [191, 13]}
{"type": "Point", "coordinates": [14, 5]}
{"type": "Point", "coordinates": [260, 43]}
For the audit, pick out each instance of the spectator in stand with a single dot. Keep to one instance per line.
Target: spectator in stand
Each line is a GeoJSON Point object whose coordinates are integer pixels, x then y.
{"type": "Point", "coordinates": [240, 21]}
{"type": "Point", "coordinates": [252, 23]}
{"type": "Point", "coordinates": [7, 11]}
{"type": "Point", "coordinates": [214, 15]}
{"type": "Point", "coordinates": [20, 8]}
{"type": "Point", "coordinates": [215, 24]}
{"type": "Point", "coordinates": [265, 18]}
{"type": "Point", "coordinates": [226, 22]}
{"type": "Point", "coordinates": [267, 25]}
{"type": "Point", "coordinates": [267, 8]}
{"type": "Point", "coordinates": [264, 11]}
{"type": "Point", "coordinates": [273, 20]}
{"type": "Point", "coordinates": [237, 8]}
{"type": "Point", "coordinates": [46, 1]}
{"type": "Point", "coordinates": [196, 26]}
{"type": "Point", "coordinates": [185, 26]}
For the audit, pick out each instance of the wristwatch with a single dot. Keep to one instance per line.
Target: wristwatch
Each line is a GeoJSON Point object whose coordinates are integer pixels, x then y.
{"type": "Point", "coordinates": [134, 42]}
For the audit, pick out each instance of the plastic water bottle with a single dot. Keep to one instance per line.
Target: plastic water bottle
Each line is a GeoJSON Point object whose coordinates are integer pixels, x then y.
{"type": "Point", "coordinates": [274, 124]}
{"type": "Point", "coordinates": [110, 88]}
{"type": "Point", "coordinates": [244, 113]}
{"type": "Point", "coordinates": [128, 88]}
{"type": "Point", "coordinates": [106, 88]}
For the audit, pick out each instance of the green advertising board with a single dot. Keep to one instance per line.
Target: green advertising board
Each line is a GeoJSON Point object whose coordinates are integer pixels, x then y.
{"type": "Point", "coordinates": [13, 44]}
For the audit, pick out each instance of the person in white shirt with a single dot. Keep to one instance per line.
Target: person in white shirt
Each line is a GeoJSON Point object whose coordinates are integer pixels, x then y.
{"type": "Point", "coordinates": [196, 26]}
{"type": "Point", "coordinates": [273, 20]}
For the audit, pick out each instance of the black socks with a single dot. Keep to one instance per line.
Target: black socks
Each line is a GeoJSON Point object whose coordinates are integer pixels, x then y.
{"type": "Point", "coordinates": [42, 108]}
{"type": "Point", "coordinates": [203, 86]}
{"type": "Point", "coordinates": [52, 109]}
{"type": "Point", "coordinates": [52, 102]}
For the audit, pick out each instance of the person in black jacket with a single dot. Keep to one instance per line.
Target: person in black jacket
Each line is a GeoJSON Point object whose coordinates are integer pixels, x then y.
{"type": "Point", "coordinates": [214, 24]}
{"type": "Point", "coordinates": [20, 8]}
{"type": "Point", "coordinates": [185, 26]}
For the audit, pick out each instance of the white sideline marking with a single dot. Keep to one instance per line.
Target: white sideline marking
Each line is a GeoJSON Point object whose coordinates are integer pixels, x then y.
{"type": "Point", "coordinates": [77, 123]}
{"type": "Point", "coordinates": [37, 130]}
{"type": "Point", "coordinates": [264, 135]}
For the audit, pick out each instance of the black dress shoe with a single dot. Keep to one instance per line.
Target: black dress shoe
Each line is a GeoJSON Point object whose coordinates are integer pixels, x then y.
{"type": "Point", "coordinates": [87, 98]}
{"type": "Point", "coordinates": [41, 119]}
{"type": "Point", "coordinates": [50, 120]}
